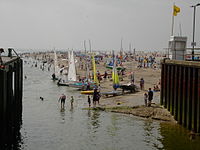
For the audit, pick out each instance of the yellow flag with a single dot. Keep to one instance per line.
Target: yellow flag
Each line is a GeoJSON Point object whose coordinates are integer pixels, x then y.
{"type": "Point", "coordinates": [176, 10]}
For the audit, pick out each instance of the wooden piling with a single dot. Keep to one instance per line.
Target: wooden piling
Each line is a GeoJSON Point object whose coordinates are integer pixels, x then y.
{"type": "Point", "coordinates": [188, 98]}
{"type": "Point", "coordinates": [180, 91]}
{"type": "Point", "coordinates": [175, 91]}
{"type": "Point", "coordinates": [168, 87]}
{"type": "Point", "coordinates": [11, 77]}
{"type": "Point", "coordinates": [184, 102]}
{"type": "Point", "coordinates": [180, 95]}
{"type": "Point", "coordinates": [171, 90]}
{"type": "Point", "coordinates": [198, 101]}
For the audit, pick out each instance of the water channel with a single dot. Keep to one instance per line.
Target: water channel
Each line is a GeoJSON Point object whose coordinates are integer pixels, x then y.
{"type": "Point", "coordinates": [46, 127]}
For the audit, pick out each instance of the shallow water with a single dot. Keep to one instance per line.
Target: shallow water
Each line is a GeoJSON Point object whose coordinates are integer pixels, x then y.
{"type": "Point", "coordinates": [46, 127]}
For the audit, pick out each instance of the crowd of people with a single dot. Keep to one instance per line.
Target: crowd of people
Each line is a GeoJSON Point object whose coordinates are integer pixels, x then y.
{"type": "Point", "coordinates": [144, 61]}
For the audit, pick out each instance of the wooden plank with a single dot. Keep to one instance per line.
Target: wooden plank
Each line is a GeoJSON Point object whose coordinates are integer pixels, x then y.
{"type": "Point", "coordinates": [1, 104]}
{"type": "Point", "coordinates": [189, 102]}
{"type": "Point", "coordinates": [20, 85]}
{"type": "Point", "coordinates": [168, 88]}
{"type": "Point", "coordinates": [198, 102]}
{"type": "Point", "coordinates": [180, 95]}
{"type": "Point", "coordinates": [184, 101]}
{"type": "Point", "coordinates": [162, 92]}
{"type": "Point", "coordinates": [165, 85]}
{"type": "Point", "coordinates": [193, 100]}
{"type": "Point", "coordinates": [175, 91]}
{"type": "Point", "coordinates": [171, 106]}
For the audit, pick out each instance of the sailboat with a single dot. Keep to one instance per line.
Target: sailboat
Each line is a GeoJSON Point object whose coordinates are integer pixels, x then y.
{"type": "Point", "coordinates": [72, 69]}
{"type": "Point", "coordinates": [115, 76]}
{"type": "Point", "coordinates": [115, 79]}
{"type": "Point", "coordinates": [56, 68]}
{"type": "Point", "coordinates": [96, 81]}
{"type": "Point", "coordinates": [71, 78]}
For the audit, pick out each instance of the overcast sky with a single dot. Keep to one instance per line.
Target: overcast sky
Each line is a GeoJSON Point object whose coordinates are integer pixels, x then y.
{"type": "Point", "coordinates": [67, 23]}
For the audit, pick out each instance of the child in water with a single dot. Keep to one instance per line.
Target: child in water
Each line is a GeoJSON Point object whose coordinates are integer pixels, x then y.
{"type": "Point", "coordinates": [89, 101]}
{"type": "Point", "coordinates": [72, 101]}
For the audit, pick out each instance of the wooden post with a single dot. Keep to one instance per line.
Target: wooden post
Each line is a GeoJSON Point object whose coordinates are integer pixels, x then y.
{"type": "Point", "coordinates": [198, 102]}
{"type": "Point", "coordinates": [184, 100]}
{"type": "Point", "coordinates": [162, 92]}
{"type": "Point", "coordinates": [194, 100]}
{"type": "Point", "coordinates": [189, 86]}
{"type": "Point", "coordinates": [165, 85]}
{"type": "Point", "coordinates": [168, 87]}
{"type": "Point", "coordinates": [1, 105]}
{"type": "Point", "coordinates": [180, 95]}
{"type": "Point", "coordinates": [176, 76]}
{"type": "Point", "coordinates": [171, 89]}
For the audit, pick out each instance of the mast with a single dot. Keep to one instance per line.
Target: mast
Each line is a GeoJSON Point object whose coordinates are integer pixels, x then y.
{"type": "Point", "coordinates": [85, 46]}
{"type": "Point", "coordinates": [121, 48]}
{"type": "Point", "coordinates": [90, 46]}
{"type": "Point", "coordinates": [86, 62]}
{"type": "Point", "coordinates": [130, 47]}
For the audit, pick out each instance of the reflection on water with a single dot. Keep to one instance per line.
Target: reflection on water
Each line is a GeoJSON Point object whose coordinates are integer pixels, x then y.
{"type": "Point", "coordinates": [176, 137]}
{"type": "Point", "coordinates": [152, 136]}
{"type": "Point", "coordinates": [112, 129]}
{"type": "Point", "coordinates": [71, 113]}
{"type": "Point", "coordinates": [47, 127]}
{"type": "Point", "coordinates": [62, 114]}
{"type": "Point", "coordinates": [13, 137]}
{"type": "Point", "coordinates": [95, 119]}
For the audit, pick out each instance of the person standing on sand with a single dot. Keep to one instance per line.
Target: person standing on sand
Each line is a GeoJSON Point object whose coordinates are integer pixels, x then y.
{"type": "Point", "coordinates": [105, 75]}
{"type": "Point", "coordinates": [62, 99]}
{"type": "Point", "coordinates": [142, 84]}
{"type": "Point", "coordinates": [145, 98]}
{"type": "Point", "coordinates": [150, 96]}
{"type": "Point", "coordinates": [132, 78]}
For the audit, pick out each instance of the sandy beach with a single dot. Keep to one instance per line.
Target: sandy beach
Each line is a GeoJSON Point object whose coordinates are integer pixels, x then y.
{"type": "Point", "coordinates": [131, 103]}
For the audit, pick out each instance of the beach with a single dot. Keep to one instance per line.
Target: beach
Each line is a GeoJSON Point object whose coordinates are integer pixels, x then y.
{"type": "Point", "coordinates": [127, 102]}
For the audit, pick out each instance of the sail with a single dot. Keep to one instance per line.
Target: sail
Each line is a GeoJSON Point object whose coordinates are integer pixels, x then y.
{"type": "Point", "coordinates": [115, 76]}
{"type": "Point", "coordinates": [56, 68]}
{"type": "Point", "coordinates": [72, 68]}
{"type": "Point", "coordinates": [87, 69]}
{"type": "Point", "coordinates": [94, 71]}
{"type": "Point", "coordinates": [69, 54]}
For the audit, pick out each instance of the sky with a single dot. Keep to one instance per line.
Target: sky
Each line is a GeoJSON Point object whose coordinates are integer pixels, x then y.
{"type": "Point", "coordinates": [45, 24]}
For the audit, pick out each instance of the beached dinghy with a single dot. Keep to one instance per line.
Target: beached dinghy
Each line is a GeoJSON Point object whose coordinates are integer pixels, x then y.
{"type": "Point", "coordinates": [96, 81]}
{"type": "Point", "coordinates": [88, 92]}
{"type": "Point", "coordinates": [71, 71]}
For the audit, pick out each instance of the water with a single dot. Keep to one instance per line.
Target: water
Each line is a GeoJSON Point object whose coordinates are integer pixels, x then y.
{"type": "Point", "coordinates": [47, 127]}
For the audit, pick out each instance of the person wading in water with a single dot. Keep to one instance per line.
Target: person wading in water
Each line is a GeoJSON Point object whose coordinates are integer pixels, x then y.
{"type": "Point", "coordinates": [62, 99]}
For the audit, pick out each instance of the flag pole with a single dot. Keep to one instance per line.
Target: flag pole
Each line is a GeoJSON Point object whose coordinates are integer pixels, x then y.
{"type": "Point", "coordinates": [172, 32]}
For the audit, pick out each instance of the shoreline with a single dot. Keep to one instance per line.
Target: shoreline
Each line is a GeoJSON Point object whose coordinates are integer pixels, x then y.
{"type": "Point", "coordinates": [154, 112]}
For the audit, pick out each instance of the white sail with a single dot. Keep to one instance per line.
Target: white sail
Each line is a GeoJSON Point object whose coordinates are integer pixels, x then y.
{"type": "Point", "coordinates": [69, 54]}
{"type": "Point", "coordinates": [56, 68]}
{"type": "Point", "coordinates": [72, 68]}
